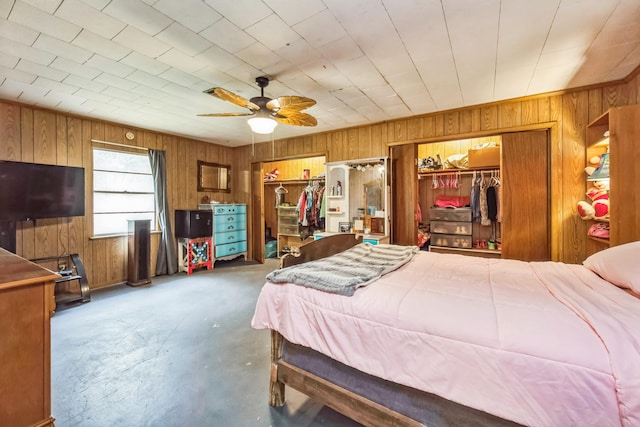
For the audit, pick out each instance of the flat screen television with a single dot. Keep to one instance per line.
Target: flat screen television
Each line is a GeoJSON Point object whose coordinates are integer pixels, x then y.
{"type": "Point", "coordinates": [33, 191]}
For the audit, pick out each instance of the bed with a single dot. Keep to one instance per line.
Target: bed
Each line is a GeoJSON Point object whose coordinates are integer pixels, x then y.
{"type": "Point", "coordinates": [443, 339]}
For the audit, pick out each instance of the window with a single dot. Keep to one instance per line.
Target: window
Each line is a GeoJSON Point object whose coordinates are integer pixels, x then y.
{"type": "Point", "coordinates": [122, 190]}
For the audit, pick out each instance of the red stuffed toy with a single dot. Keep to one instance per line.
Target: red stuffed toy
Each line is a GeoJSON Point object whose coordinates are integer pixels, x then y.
{"type": "Point", "coordinates": [598, 208]}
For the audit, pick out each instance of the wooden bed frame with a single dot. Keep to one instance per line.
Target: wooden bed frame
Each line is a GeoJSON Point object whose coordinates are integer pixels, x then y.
{"type": "Point", "coordinates": [432, 410]}
{"type": "Point", "coordinates": [282, 373]}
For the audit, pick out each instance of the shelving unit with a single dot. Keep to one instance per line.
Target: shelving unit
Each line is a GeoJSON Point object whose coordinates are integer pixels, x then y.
{"type": "Point", "coordinates": [617, 131]}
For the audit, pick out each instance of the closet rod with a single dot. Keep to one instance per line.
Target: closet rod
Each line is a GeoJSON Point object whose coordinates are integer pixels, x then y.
{"type": "Point", "coordinates": [457, 171]}
{"type": "Point", "coordinates": [119, 145]}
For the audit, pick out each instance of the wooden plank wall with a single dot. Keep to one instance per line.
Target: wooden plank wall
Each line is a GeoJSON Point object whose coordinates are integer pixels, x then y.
{"type": "Point", "coordinates": [41, 136]}
{"type": "Point", "coordinates": [566, 114]}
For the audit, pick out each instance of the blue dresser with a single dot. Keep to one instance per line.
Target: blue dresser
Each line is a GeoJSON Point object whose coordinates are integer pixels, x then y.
{"type": "Point", "coordinates": [229, 230]}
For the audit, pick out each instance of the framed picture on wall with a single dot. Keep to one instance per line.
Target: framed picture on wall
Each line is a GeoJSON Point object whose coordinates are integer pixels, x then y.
{"type": "Point", "coordinates": [344, 227]}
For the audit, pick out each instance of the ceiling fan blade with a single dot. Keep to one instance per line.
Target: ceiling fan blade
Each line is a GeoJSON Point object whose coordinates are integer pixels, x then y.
{"type": "Point", "coordinates": [225, 114]}
{"type": "Point", "coordinates": [297, 119]}
{"type": "Point", "coordinates": [232, 97]}
{"type": "Point", "coordinates": [295, 103]}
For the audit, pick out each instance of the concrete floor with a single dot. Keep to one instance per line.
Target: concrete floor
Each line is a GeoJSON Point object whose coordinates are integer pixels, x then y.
{"type": "Point", "coordinates": [177, 352]}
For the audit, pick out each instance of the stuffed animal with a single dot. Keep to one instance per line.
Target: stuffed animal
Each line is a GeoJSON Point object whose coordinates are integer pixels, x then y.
{"type": "Point", "coordinates": [598, 208]}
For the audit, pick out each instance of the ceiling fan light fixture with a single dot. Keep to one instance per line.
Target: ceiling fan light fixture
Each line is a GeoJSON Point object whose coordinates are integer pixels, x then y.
{"type": "Point", "coordinates": [262, 125]}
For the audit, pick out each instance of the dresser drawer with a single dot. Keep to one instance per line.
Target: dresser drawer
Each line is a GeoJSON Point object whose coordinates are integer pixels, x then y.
{"type": "Point", "coordinates": [287, 211]}
{"type": "Point", "coordinates": [288, 229]}
{"type": "Point", "coordinates": [288, 220]}
{"type": "Point", "coordinates": [229, 209]}
{"type": "Point", "coordinates": [451, 227]}
{"type": "Point", "coordinates": [223, 223]}
{"type": "Point", "coordinates": [229, 237]}
{"type": "Point", "coordinates": [450, 214]}
{"type": "Point", "coordinates": [231, 249]}
{"type": "Point", "coordinates": [451, 240]}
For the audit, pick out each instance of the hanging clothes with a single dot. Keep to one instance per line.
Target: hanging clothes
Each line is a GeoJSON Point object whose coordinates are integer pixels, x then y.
{"type": "Point", "coordinates": [484, 211]}
{"type": "Point", "coordinates": [310, 204]}
{"type": "Point", "coordinates": [475, 198]}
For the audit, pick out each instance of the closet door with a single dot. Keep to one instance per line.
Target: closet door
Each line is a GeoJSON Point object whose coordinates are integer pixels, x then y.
{"type": "Point", "coordinates": [525, 196]}
{"type": "Point", "coordinates": [404, 194]}
{"type": "Point", "coordinates": [256, 232]}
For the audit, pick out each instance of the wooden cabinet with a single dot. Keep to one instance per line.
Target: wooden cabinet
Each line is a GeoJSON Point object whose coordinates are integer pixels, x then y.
{"type": "Point", "coordinates": [618, 132]}
{"type": "Point", "coordinates": [26, 306]}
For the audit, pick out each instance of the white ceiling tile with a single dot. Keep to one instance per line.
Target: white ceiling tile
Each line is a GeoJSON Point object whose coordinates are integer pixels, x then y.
{"type": "Point", "coordinates": [97, 4]}
{"type": "Point", "coordinates": [40, 70]}
{"type": "Point", "coordinates": [84, 84]}
{"type": "Point", "coordinates": [12, 89]}
{"type": "Point", "coordinates": [320, 29]}
{"type": "Point", "coordinates": [95, 106]}
{"type": "Point", "coordinates": [80, 13]}
{"type": "Point", "coordinates": [221, 59]}
{"type": "Point", "coordinates": [144, 63]}
{"type": "Point", "coordinates": [298, 52]}
{"type": "Point", "coordinates": [62, 49]}
{"type": "Point", "coordinates": [273, 32]}
{"type": "Point", "coordinates": [141, 42]}
{"type": "Point", "coordinates": [8, 61]}
{"type": "Point", "coordinates": [27, 52]}
{"type": "Point", "coordinates": [361, 72]}
{"type": "Point", "coordinates": [5, 8]}
{"type": "Point", "coordinates": [242, 13]}
{"type": "Point", "coordinates": [17, 32]}
{"type": "Point", "coordinates": [74, 68]}
{"type": "Point", "coordinates": [183, 39]}
{"type": "Point", "coordinates": [193, 14]}
{"type": "Point", "coordinates": [113, 81]}
{"type": "Point", "coordinates": [41, 21]}
{"type": "Point", "coordinates": [258, 55]}
{"type": "Point", "coordinates": [68, 102]}
{"type": "Point", "coordinates": [577, 24]}
{"type": "Point", "coordinates": [344, 48]}
{"type": "Point", "coordinates": [294, 11]}
{"type": "Point", "coordinates": [54, 85]}
{"type": "Point", "coordinates": [150, 93]}
{"type": "Point", "coordinates": [48, 6]}
{"type": "Point", "coordinates": [147, 79]}
{"type": "Point", "coordinates": [546, 79]}
{"type": "Point", "coordinates": [227, 35]}
{"type": "Point", "coordinates": [176, 76]}
{"type": "Point", "coordinates": [16, 75]}
{"type": "Point", "coordinates": [109, 66]}
{"type": "Point", "coordinates": [119, 95]}
{"type": "Point", "coordinates": [181, 61]}
{"type": "Point", "coordinates": [138, 14]}
{"type": "Point", "coordinates": [29, 93]}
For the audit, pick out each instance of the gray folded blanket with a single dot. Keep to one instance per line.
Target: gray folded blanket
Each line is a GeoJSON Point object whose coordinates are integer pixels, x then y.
{"type": "Point", "coordinates": [346, 271]}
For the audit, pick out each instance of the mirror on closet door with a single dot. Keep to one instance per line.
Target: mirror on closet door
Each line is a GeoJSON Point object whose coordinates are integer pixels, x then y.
{"type": "Point", "coordinates": [214, 177]}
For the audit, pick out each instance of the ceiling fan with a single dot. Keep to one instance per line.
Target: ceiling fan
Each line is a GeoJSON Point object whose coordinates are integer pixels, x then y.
{"type": "Point", "coordinates": [266, 112]}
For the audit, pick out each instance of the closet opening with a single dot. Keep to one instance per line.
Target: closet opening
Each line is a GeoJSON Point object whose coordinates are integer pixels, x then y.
{"type": "Point", "coordinates": [278, 188]}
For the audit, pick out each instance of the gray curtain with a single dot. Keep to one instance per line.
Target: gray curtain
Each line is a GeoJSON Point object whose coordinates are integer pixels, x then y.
{"type": "Point", "coordinates": [167, 262]}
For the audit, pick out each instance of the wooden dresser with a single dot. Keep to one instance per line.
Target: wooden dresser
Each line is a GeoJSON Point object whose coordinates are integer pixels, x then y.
{"type": "Point", "coordinates": [26, 305]}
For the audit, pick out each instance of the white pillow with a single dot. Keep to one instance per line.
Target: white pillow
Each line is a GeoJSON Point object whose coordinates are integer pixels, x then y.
{"type": "Point", "coordinates": [619, 265]}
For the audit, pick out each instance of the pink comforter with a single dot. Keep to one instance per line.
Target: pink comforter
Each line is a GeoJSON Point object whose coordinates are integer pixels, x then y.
{"type": "Point", "coordinates": [542, 344]}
